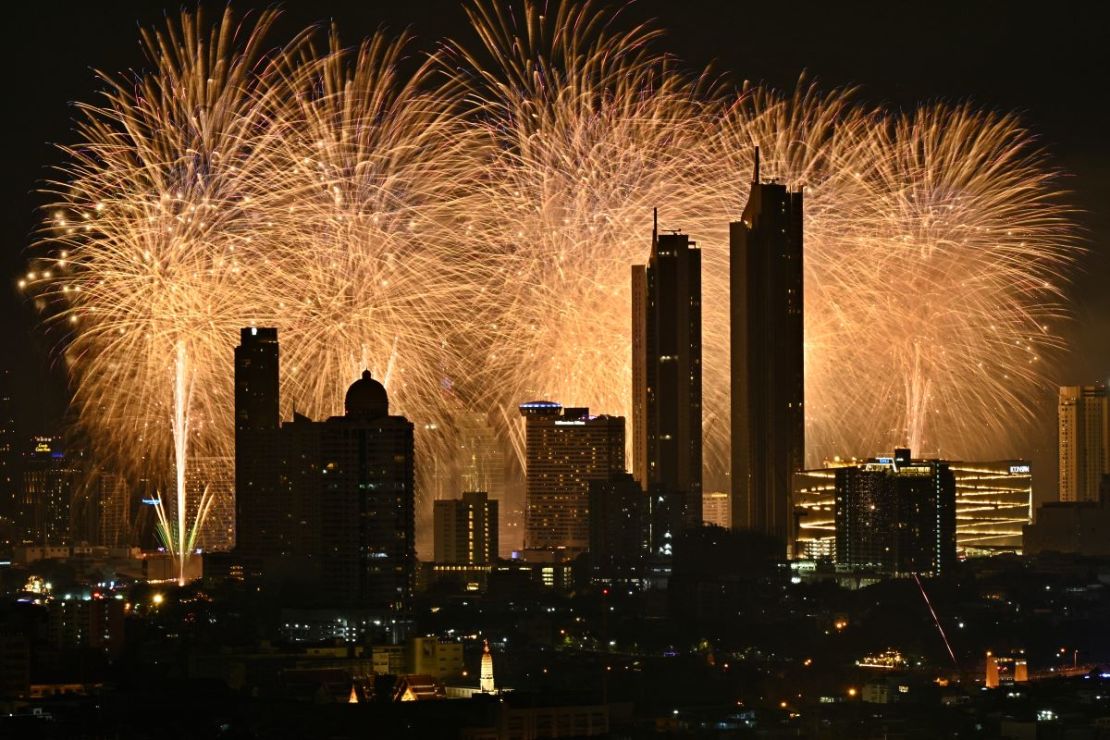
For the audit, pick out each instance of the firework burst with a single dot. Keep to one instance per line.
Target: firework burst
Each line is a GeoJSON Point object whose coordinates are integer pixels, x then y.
{"type": "Point", "coordinates": [464, 227]}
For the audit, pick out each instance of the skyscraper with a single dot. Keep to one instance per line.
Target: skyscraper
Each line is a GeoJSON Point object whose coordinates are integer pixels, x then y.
{"type": "Point", "coordinates": [51, 478]}
{"type": "Point", "coordinates": [367, 503]}
{"type": "Point", "coordinates": [618, 532]}
{"type": "Point", "coordinates": [466, 529]}
{"type": "Point", "coordinates": [1084, 436]}
{"type": "Point", "coordinates": [768, 378]}
{"type": "Point", "coordinates": [9, 459]}
{"type": "Point", "coordinates": [258, 510]}
{"type": "Point", "coordinates": [896, 515]}
{"type": "Point", "coordinates": [666, 374]}
{"type": "Point", "coordinates": [565, 450]}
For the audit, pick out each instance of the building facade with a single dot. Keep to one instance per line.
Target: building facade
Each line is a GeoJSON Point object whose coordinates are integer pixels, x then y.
{"type": "Point", "coordinates": [52, 477]}
{"type": "Point", "coordinates": [618, 528]}
{"type": "Point", "coordinates": [466, 529]}
{"type": "Point", "coordinates": [565, 448]}
{"type": "Point", "coordinates": [1084, 441]}
{"type": "Point", "coordinates": [367, 503]}
{"type": "Point", "coordinates": [716, 509]}
{"type": "Point", "coordinates": [896, 516]}
{"type": "Point", "coordinates": [667, 375]}
{"type": "Point", "coordinates": [260, 534]}
{"type": "Point", "coordinates": [212, 478]}
{"type": "Point", "coordinates": [10, 474]}
{"type": "Point", "coordinates": [768, 369]}
{"type": "Point", "coordinates": [994, 502]}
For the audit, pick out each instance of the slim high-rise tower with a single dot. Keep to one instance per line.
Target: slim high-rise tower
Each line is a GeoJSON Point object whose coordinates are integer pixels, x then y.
{"type": "Point", "coordinates": [257, 512]}
{"type": "Point", "coordinates": [768, 379]}
{"type": "Point", "coordinates": [1084, 439]}
{"type": "Point", "coordinates": [666, 373]}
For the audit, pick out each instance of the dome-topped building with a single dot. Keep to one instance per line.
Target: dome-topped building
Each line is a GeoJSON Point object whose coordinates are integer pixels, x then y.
{"type": "Point", "coordinates": [366, 398]}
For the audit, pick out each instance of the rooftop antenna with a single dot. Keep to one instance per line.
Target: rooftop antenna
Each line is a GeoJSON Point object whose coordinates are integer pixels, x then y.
{"type": "Point", "coordinates": [654, 226]}
{"type": "Point", "coordinates": [755, 177]}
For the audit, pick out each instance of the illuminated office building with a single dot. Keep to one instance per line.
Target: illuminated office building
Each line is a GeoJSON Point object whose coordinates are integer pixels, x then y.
{"type": "Point", "coordinates": [813, 532]}
{"type": "Point", "coordinates": [51, 478]}
{"type": "Point", "coordinates": [993, 503]}
{"type": "Point", "coordinates": [1084, 441]}
{"type": "Point", "coordinates": [565, 448]}
{"type": "Point", "coordinates": [768, 378]}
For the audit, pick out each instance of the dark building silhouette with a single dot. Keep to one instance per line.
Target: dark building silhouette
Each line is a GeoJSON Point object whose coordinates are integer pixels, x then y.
{"type": "Point", "coordinates": [666, 378]}
{"type": "Point", "coordinates": [10, 474]}
{"type": "Point", "coordinates": [896, 515]}
{"type": "Point", "coordinates": [618, 532]}
{"type": "Point", "coordinates": [367, 503]}
{"type": "Point", "coordinates": [260, 534]}
{"type": "Point", "coordinates": [325, 507]}
{"type": "Point", "coordinates": [768, 381]}
{"type": "Point", "coordinates": [465, 529]}
{"type": "Point", "coordinates": [566, 448]}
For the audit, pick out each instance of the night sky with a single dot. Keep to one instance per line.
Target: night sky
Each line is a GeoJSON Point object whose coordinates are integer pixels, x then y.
{"type": "Point", "coordinates": [1050, 66]}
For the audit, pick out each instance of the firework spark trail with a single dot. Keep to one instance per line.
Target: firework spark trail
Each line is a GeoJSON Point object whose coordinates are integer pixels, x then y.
{"type": "Point", "coordinates": [936, 621]}
{"type": "Point", "coordinates": [466, 230]}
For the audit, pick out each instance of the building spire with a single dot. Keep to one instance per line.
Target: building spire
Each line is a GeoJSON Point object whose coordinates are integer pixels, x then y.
{"type": "Point", "coordinates": [654, 227]}
{"type": "Point", "coordinates": [755, 175]}
{"type": "Point", "coordinates": [485, 677]}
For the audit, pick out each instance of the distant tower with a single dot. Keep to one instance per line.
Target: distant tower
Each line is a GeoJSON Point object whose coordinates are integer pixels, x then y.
{"type": "Point", "coordinates": [992, 678]}
{"type": "Point", "coordinates": [10, 475]}
{"type": "Point", "coordinates": [666, 375]}
{"type": "Point", "coordinates": [768, 380]}
{"type": "Point", "coordinates": [485, 681]}
{"type": "Point", "coordinates": [465, 529]}
{"type": "Point", "coordinates": [258, 514]}
{"type": "Point", "coordinates": [1084, 437]}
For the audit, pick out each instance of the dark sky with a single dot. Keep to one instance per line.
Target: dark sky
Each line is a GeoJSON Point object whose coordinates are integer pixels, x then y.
{"type": "Point", "coordinates": [1050, 66]}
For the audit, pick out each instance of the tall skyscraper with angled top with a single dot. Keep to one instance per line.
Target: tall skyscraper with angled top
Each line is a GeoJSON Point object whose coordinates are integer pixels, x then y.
{"type": "Point", "coordinates": [666, 376]}
{"type": "Point", "coordinates": [1084, 438]}
{"type": "Point", "coordinates": [768, 369]}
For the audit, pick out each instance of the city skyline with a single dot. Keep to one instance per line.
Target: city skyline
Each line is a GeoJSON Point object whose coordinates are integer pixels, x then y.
{"type": "Point", "coordinates": [341, 373]}
{"type": "Point", "coordinates": [1043, 469]}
